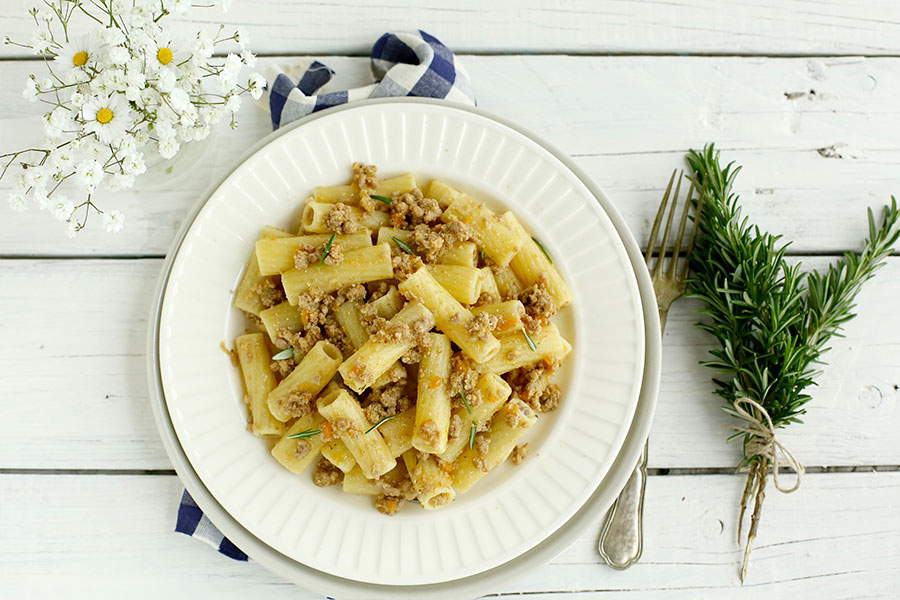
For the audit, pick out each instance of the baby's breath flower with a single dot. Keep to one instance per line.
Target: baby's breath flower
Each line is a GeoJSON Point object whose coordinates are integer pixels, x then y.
{"type": "Point", "coordinates": [256, 84]}
{"type": "Point", "coordinates": [61, 208]}
{"type": "Point", "coordinates": [72, 228]}
{"type": "Point", "coordinates": [30, 92]}
{"type": "Point", "coordinates": [17, 202]}
{"type": "Point", "coordinates": [41, 41]}
{"type": "Point", "coordinates": [89, 174]}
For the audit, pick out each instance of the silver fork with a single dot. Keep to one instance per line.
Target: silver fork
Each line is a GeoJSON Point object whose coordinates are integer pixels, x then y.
{"type": "Point", "coordinates": [621, 539]}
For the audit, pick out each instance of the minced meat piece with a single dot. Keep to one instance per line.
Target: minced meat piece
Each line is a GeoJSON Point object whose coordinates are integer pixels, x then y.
{"type": "Point", "coordinates": [455, 427]}
{"type": "Point", "coordinates": [519, 453]}
{"type": "Point", "coordinates": [482, 445]}
{"type": "Point", "coordinates": [405, 265]}
{"type": "Point", "coordinates": [327, 474]}
{"type": "Point", "coordinates": [269, 291]}
{"type": "Point", "coordinates": [388, 504]}
{"type": "Point", "coordinates": [428, 431]}
{"type": "Point", "coordinates": [301, 341]}
{"type": "Point", "coordinates": [340, 219]}
{"type": "Point", "coordinates": [335, 254]}
{"type": "Point", "coordinates": [402, 489]}
{"type": "Point", "coordinates": [335, 334]}
{"type": "Point", "coordinates": [232, 354]}
{"type": "Point", "coordinates": [297, 404]}
{"type": "Point", "coordinates": [314, 306]}
{"type": "Point", "coordinates": [302, 449]}
{"type": "Point", "coordinates": [283, 367]}
{"type": "Point", "coordinates": [387, 402]}
{"type": "Point", "coordinates": [413, 208]}
{"type": "Point", "coordinates": [306, 254]}
{"type": "Point", "coordinates": [550, 398]}
{"type": "Point", "coordinates": [429, 243]}
{"type": "Point", "coordinates": [351, 293]}
{"type": "Point", "coordinates": [529, 382]}
{"type": "Point", "coordinates": [345, 426]}
{"type": "Point", "coordinates": [481, 326]}
{"type": "Point", "coordinates": [463, 379]}
{"type": "Point", "coordinates": [370, 320]}
{"type": "Point", "coordinates": [480, 464]}
{"type": "Point", "coordinates": [539, 305]}
{"type": "Point", "coordinates": [378, 289]}
{"type": "Point", "coordinates": [365, 177]}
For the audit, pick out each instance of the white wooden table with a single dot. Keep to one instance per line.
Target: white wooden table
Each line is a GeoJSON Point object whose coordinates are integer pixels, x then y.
{"type": "Point", "coordinates": [803, 94]}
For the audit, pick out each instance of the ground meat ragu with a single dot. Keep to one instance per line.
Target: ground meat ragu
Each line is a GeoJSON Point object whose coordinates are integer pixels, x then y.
{"type": "Point", "coordinates": [455, 427]}
{"type": "Point", "coordinates": [481, 326]}
{"type": "Point", "coordinates": [539, 305]}
{"type": "Point", "coordinates": [387, 402]}
{"type": "Point", "coordinates": [365, 178]}
{"type": "Point", "coordinates": [519, 453]}
{"type": "Point", "coordinates": [531, 383]}
{"type": "Point", "coordinates": [405, 265]}
{"type": "Point", "coordinates": [282, 368]}
{"type": "Point", "coordinates": [302, 449]}
{"type": "Point", "coordinates": [297, 404]}
{"type": "Point", "coordinates": [428, 431]}
{"type": "Point", "coordinates": [413, 208]}
{"type": "Point", "coordinates": [326, 474]}
{"type": "Point", "coordinates": [463, 380]}
{"type": "Point", "coordinates": [269, 291]}
{"type": "Point", "coordinates": [340, 219]}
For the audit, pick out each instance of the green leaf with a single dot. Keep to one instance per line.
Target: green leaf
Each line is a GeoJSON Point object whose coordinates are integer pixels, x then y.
{"type": "Point", "coordinates": [402, 245]}
{"type": "Point", "coordinates": [529, 341]}
{"type": "Point", "coordinates": [544, 250]}
{"type": "Point", "coordinates": [284, 354]}
{"type": "Point", "coordinates": [327, 249]}
{"type": "Point", "coordinates": [472, 431]}
{"type": "Point", "coordinates": [384, 199]}
{"type": "Point", "coordinates": [302, 435]}
{"type": "Point", "coordinates": [379, 424]}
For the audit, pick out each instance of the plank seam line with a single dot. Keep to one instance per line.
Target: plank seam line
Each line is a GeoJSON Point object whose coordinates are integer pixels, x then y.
{"type": "Point", "coordinates": [656, 472]}
{"type": "Point", "coordinates": [562, 53]}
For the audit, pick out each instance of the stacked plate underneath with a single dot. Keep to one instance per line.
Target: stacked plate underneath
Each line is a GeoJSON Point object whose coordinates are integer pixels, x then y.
{"type": "Point", "coordinates": [580, 455]}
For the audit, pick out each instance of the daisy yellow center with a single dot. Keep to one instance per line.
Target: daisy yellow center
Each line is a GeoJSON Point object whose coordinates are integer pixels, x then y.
{"type": "Point", "coordinates": [164, 56]}
{"type": "Point", "coordinates": [104, 115]}
{"type": "Point", "coordinates": [80, 58]}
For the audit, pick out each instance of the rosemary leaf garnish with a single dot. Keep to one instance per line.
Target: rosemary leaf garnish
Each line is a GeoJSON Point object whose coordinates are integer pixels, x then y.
{"type": "Point", "coordinates": [772, 321]}
{"type": "Point", "coordinates": [327, 249]}
{"type": "Point", "coordinates": [402, 245]}
{"type": "Point", "coordinates": [465, 401]}
{"type": "Point", "coordinates": [472, 432]}
{"type": "Point", "coordinates": [529, 341]}
{"type": "Point", "coordinates": [384, 199]}
{"type": "Point", "coordinates": [379, 424]}
{"type": "Point", "coordinates": [302, 435]}
{"type": "Point", "coordinates": [544, 250]}
{"type": "Point", "coordinates": [286, 353]}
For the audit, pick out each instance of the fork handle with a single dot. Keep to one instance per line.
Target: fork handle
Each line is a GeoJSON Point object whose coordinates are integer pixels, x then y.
{"type": "Point", "coordinates": [621, 541]}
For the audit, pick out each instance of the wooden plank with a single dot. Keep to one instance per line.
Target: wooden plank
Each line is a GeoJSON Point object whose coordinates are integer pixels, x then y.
{"type": "Point", "coordinates": [837, 537]}
{"type": "Point", "coordinates": [74, 383]}
{"type": "Point", "coordinates": [578, 26]}
{"type": "Point", "coordinates": [811, 161]}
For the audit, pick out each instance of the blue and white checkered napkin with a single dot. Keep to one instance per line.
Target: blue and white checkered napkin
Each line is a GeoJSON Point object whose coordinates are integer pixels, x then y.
{"type": "Point", "coordinates": [403, 64]}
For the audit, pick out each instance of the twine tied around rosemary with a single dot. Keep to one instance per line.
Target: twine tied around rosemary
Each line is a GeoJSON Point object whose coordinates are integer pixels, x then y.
{"type": "Point", "coordinates": [763, 442]}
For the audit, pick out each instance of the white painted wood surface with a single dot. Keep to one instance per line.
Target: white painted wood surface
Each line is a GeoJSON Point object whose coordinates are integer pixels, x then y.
{"type": "Point", "coordinates": [109, 534]}
{"type": "Point", "coordinates": [794, 27]}
{"type": "Point", "coordinates": [608, 83]}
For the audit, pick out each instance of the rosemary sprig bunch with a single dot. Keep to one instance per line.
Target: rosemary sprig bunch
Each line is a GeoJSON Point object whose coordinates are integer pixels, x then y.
{"type": "Point", "coordinates": [772, 321]}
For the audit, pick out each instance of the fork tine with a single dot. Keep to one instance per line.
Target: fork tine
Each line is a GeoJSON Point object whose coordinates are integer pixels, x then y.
{"type": "Point", "coordinates": [687, 252]}
{"type": "Point", "coordinates": [665, 240]}
{"type": "Point", "coordinates": [680, 237]}
{"type": "Point", "coordinates": [659, 215]}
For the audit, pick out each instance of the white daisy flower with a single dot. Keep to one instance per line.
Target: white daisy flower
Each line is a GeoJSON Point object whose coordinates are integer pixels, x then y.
{"type": "Point", "coordinates": [73, 58]}
{"type": "Point", "coordinates": [113, 221]}
{"type": "Point", "coordinates": [108, 118]}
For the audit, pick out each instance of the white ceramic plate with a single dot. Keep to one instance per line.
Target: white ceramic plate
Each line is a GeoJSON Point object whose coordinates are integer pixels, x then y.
{"type": "Point", "coordinates": [513, 509]}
